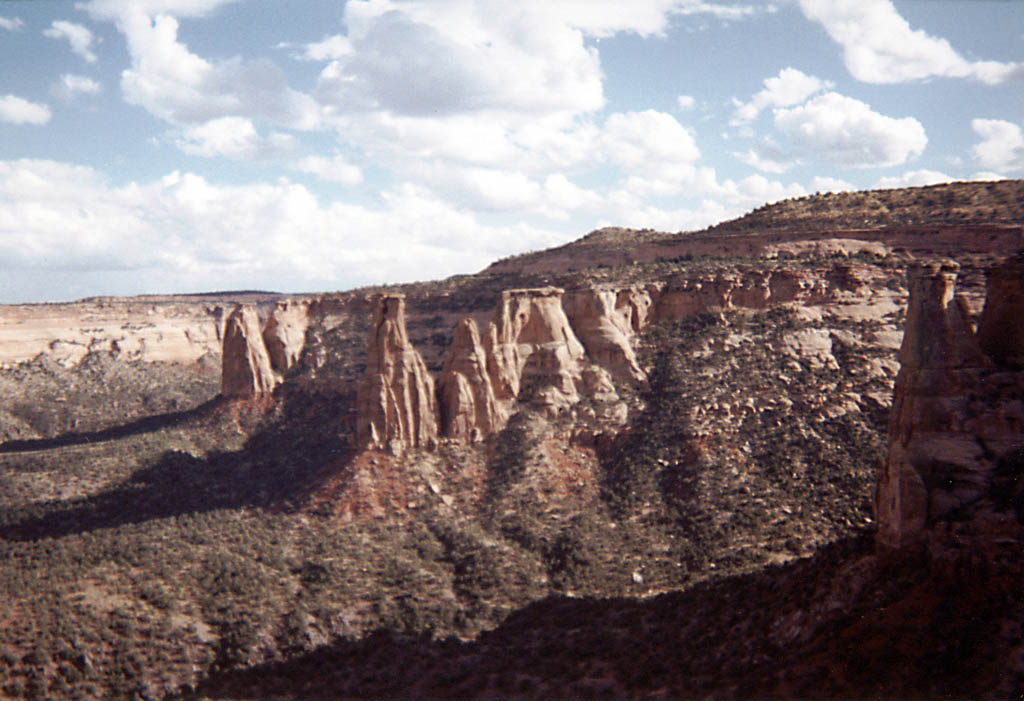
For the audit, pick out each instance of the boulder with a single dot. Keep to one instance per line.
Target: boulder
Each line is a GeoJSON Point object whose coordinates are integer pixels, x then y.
{"type": "Point", "coordinates": [395, 404]}
{"type": "Point", "coordinates": [246, 372]}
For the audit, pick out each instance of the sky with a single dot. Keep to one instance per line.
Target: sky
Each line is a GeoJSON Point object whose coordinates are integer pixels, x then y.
{"type": "Point", "coordinates": [164, 146]}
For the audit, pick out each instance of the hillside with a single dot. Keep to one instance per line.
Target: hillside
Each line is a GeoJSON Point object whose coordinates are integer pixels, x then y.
{"type": "Point", "coordinates": [640, 464]}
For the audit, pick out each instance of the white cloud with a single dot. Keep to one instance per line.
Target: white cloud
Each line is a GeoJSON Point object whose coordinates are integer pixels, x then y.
{"type": "Point", "coordinates": [880, 47]}
{"type": "Point", "coordinates": [827, 184]}
{"type": "Point", "coordinates": [173, 83]}
{"type": "Point", "coordinates": [70, 85]}
{"type": "Point", "coordinates": [335, 169]}
{"type": "Point", "coordinates": [11, 25]}
{"type": "Point", "coordinates": [915, 178]}
{"type": "Point", "coordinates": [686, 102]}
{"type": "Point", "coordinates": [789, 87]}
{"type": "Point", "coordinates": [844, 131]}
{"type": "Point", "coordinates": [766, 158]}
{"type": "Point", "coordinates": [79, 37]}
{"type": "Point", "coordinates": [1002, 148]}
{"type": "Point", "coordinates": [17, 110]}
{"type": "Point", "coordinates": [330, 49]}
{"type": "Point", "coordinates": [232, 137]}
{"type": "Point", "coordinates": [640, 140]}
{"type": "Point", "coordinates": [184, 233]}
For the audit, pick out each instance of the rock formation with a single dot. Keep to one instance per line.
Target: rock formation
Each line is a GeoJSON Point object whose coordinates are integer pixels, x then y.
{"type": "Point", "coordinates": [285, 334]}
{"type": "Point", "coordinates": [530, 342]}
{"type": "Point", "coordinates": [606, 332]}
{"type": "Point", "coordinates": [246, 372]}
{"type": "Point", "coordinates": [395, 403]}
{"type": "Point", "coordinates": [1001, 331]}
{"type": "Point", "coordinates": [956, 412]}
{"type": "Point", "coordinates": [469, 409]}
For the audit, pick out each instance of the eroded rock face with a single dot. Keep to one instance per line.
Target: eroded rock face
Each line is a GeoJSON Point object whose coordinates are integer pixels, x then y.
{"type": "Point", "coordinates": [530, 341]}
{"type": "Point", "coordinates": [753, 289]}
{"type": "Point", "coordinates": [606, 329]}
{"type": "Point", "coordinates": [956, 412]}
{"type": "Point", "coordinates": [395, 403]}
{"type": "Point", "coordinates": [1001, 330]}
{"type": "Point", "coordinates": [468, 408]}
{"type": "Point", "coordinates": [246, 372]}
{"type": "Point", "coordinates": [285, 334]}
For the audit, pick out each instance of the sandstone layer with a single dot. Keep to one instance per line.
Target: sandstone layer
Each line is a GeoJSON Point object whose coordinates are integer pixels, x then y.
{"type": "Point", "coordinates": [395, 404]}
{"type": "Point", "coordinates": [469, 409]}
{"type": "Point", "coordinates": [284, 334]}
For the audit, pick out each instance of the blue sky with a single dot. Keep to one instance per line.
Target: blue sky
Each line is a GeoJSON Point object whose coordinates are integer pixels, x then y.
{"type": "Point", "coordinates": [190, 145]}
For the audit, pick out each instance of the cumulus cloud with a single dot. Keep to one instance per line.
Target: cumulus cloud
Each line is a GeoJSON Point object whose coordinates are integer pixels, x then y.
{"type": "Point", "coordinates": [11, 24]}
{"type": "Point", "coordinates": [173, 83]}
{"type": "Point", "coordinates": [70, 86]}
{"type": "Point", "coordinates": [18, 110]}
{"type": "Point", "coordinates": [336, 169]}
{"type": "Point", "coordinates": [879, 46]}
{"type": "Point", "coordinates": [79, 37]}
{"type": "Point", "coordinates": [185, 233]}
{"type": "Point", "coordinates": [232, 137]}
{"type": "Point", "coordinates": [915, 178]}
{"type": "Point", "coordinates": [1002, 148]}
{"type": "Point", "coordinates": [827, 184]}
{"type": "Point", "coordinates": [767, 157]}
{"type": "Point", "coordinates": [686, 102]}
{"type": "Point", "coordinates": [789, 87]}
{"type": "Point", "coordinates": [845, 131]}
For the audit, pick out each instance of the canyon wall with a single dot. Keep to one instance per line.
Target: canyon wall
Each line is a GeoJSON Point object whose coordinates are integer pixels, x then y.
{"type": "Point", "coordinates": [957, 422]}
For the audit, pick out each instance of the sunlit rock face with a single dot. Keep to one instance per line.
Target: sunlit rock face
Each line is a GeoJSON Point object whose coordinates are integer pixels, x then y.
{"type": "Point", "coordinates": [284, 334]}
{"type": "Point", "coordinates": [395, 403]}
{"type": "Point", "coordinates": [246, 372]}
{"type": "Point", "coordinates": [957, 411]}
{"type": "Point", "coordinates": [468, 407]}
{"type": "Point", "coordinates": [606, 329]}
{"type": "Point", "coordinates": [530, 342]}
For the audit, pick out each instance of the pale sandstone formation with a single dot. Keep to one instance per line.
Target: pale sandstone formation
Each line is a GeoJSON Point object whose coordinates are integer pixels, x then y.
{"type": "Point", "coordinates": [530, 341]}
{"type": "Point", "coordinates": [469, 409]}
{"type": "Point", "coordinates": [685, 296]}
{"type": "Point", "coordinates": [955, 412]}
{"type": "Point", "coordinates": [395, 403]}
{"type": "Point", "coordinates": [129, 329]}
{"type": "Point", "coordinates": [246, 372]}
{"type": "Point", "coordinates": [285, 334]}
{"type": "Point", "coordinates": [606, 329]}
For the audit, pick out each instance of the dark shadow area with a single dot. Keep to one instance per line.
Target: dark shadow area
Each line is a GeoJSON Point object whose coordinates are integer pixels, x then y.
{"type": "Point", "coordinates": [147, 424]}
{"type": "Point", "coordinates": [277, 468]}
{"type": "Point", "coordinates": [900, 633]}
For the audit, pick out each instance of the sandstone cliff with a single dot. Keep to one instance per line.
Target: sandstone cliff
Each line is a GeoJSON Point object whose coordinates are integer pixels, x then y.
{"type": "Point", "coordinates": [246, 372]}
{"type": "Point", "coordinates": [395, 404]}
{"type": "Point", "coordinates": [606, 328]}
{"type": "Point", "coordinates": [956, 410]}
{"type": "Point", "coordinates": [469, 409]}
{"type": "Point", "coordinates": [285, 334]}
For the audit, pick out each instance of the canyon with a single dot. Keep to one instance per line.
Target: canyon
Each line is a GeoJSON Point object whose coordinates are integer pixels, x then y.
{"type": "Point", "coordinates": [781, 456]}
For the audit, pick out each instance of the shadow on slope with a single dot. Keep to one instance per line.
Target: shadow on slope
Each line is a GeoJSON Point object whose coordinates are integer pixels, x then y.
{"type": "Point", "coordinates": [279, 464]}
{"type": "Point", "coordinates": [837, 624]}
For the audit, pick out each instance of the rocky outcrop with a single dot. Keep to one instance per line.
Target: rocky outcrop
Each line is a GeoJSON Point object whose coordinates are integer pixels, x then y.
{"type": "Point", "coordinates": [285, 334]}
{"type": "Point", "coordinates": [468, 408]}
{"type": "Point", "coordinates": [246, 372]}
{"type": "Point", "coordinates": [687, 295]}
{"type": "Point", "coordinates": [531, 344]}
{"type": "Point", "coordinates": [1001, 330]}
{"type": "Point", "coordinates": [606, 329]}
{"type": "Point", "coordinates": [956, 412]}
{"type": "Point", "coordinates": [395, 403]}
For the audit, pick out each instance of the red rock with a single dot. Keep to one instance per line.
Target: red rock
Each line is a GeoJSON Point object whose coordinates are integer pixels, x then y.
{"type": "Point", "coordinates": [245, 366]}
